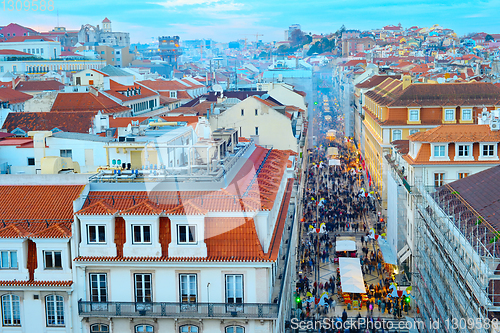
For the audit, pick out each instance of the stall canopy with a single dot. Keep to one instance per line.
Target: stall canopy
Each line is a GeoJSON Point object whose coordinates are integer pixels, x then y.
{"type": "Point", "coordinates": [351, 276]}
{"type": "Point", "coordinates": [345, 245]}
{"type": "Point", "coordinates": [387, 252]}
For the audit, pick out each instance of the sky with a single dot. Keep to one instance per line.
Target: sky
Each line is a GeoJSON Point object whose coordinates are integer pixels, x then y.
{"type": "Point", "coordinates": [228, 20]}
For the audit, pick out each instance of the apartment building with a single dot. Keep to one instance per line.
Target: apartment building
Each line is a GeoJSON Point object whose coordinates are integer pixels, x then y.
{"type": "Point", "coordinates": [397, 109]}
{"type": "Point", "coordinates": [430, 160]}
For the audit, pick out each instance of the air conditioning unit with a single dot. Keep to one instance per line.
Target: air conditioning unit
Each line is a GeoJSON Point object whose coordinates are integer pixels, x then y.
{"type": "Point", "coordinates": [495, 125]}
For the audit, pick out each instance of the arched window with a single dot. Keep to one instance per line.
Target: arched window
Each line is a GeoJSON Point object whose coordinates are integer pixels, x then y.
{"type": "Point", "coordinates": [99, 328]}
{"type": "Point", "coordinates": [189, 329]}
{"type": "Point", "coordinates": [143, 328]}
{"type": "Point", "coordinates": [235, 329]}
{"type": "Point", "coordinates": [11, 313]}
{"type": "Point", "coordinates": [54, 307]}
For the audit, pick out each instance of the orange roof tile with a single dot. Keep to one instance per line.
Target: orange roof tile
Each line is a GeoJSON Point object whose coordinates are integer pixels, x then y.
{"type": "Point", "coordinates": [143, 208]}
{"type": "Point", "coordinates": [458, 133]}
{"type": "Point", "coordinates": [98, 208]}
{"type": "Point", "coordinates": [116, 89]}
{"type": "Point", "coordinates": [232, 237]}
{"type": "Point", "coordinates": [32, 283]}
{"type": "Point", "coordinates": [37, 210]}
{"type": "Point", "coordinates": [86, 102]}
{"type": "Point", "coordinates": [13, 96]}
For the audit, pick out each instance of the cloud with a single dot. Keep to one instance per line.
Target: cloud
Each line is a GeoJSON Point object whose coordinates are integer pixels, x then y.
{"type": "Point", "coordinates": [179, 3]}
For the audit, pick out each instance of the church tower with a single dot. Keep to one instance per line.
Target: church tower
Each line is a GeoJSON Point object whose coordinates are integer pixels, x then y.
{"type": "Point", "coordinates": [106, 25]}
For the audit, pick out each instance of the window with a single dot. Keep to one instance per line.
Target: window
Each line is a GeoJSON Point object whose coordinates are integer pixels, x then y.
{"type": "Point", "coordinates": [188, 288]}
{"type": "Point", "coordinates": [142, 234]}
{"type": "Point", "coordinates": [449, 114]}
{"type": "Point", "coordinates": [396, 135]}
{"type": "Point", "coordinates": [8, 260]}
{"type": "Point", "coordinates": [99, 328]}
{"type": "Point", "coordinates": [66, 153]}
{"type": "Point", "coordinates": [54, 306]}
{"type": "Point", "coordinates": [98, 287]}
{"type": "Point", "coordinates": [53, 259]}
{"type": "Point", "coordinates": [234, 289]}
{"type": "Point", "coordinates": [31, 161]}
{"type": "Point", "coordinates": [414, 115]}
{"type": "Point", "coordinates": [466, 114]}
{"type": "Point", "coordinates": [189, 329]}
{"type": "Point", "coordinates": [102, 52]}
{"type": "Point", "coordinates": [242, 112]}
{"type": "Point", "coordinates": [488, 150]}
{"type": "Point", "coordinates": [256, 112]}
{"type": "Point", "coordinates": [439, 151]}
{"type": "Point", "coordinates": [463, 150]}
{"type": "Point", "coordinates": [235, 329]}
{"type": "Point", "coordinates": [462, 175]}
{"type": "Point", "coordinates": [41, 51]}
{"type": "Point", "coordinates": [117, 52]}
{"type": "Point", "coordinates": [186, 234]}
{"type": "Point", "coordinates": [143, 289]}
{"type": "Point", "coordinates": [118, 59]}
{"type": "Point", "coordinates": [96, 234]}
{"type": "Point", "coordinates": [256, 131]}
{"type": "Point", "coordinates": [144, 328]}
{"type": "Point", "coordinates": [112, 59]}
{"type": "Point", "coordinates": [11, 310]}
{"type": "Point", "coordinates": [413, 131]}
{"type": "Point", "coordinates": [438, 179]}
{"type": "Point", "coordinates": [37, 51]}
{"type": "Point", "coordinates": [24, 50]}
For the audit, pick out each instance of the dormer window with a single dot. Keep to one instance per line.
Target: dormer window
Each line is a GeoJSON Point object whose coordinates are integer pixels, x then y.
{"type": "Point", "coordinates": [141, 234]}
{"type": "Point", "coordinates": [186, 234]}
{"type": "Point", "coordinates": [53, 259]}
{"type": "Point", "coordinates": [439, 151]}
{"type": "Point", "coordinates": [466, 114]}
{"type": "Point", "coordinates": [414, 115]}
{"type": "Point", "coordinates": [488, 150]}
{"type": "Point", "coordinates": [8, 259]}
{"type": "Point", "coordinates": [449, 114]}
{"type": "Point", "coordinates": [96, 234]}
{"type": "Point", "coordinates": [463, 150]}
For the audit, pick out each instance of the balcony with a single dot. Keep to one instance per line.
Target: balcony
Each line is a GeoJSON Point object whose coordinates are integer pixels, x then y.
{"type": "Point", "coordinates": [177, 310]}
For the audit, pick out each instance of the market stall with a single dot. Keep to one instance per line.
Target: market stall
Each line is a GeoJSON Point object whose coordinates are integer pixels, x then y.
{"type": "Point", "coordinates": [351, 277]}
{"type": "Point", "coordinates": [345, 247]}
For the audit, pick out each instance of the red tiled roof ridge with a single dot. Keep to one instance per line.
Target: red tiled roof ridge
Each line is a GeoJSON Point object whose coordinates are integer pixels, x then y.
{"type": "Point", "coordinates": [98, 208]}
{"type": "Point", "coordinates": [143, 207]}
{"type": "Point", "coordinates": [33, 283]}
{"type": "Point", "coordinates": [173, 259]}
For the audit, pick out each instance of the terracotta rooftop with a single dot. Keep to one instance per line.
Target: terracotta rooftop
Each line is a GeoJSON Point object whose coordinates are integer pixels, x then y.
{"type": "Point", "coordinates": [12, 96]}
{"type": "Point", "coordinates": [424, 94]}
{"type": "Point", "coordinates": [458, 133]}
{"type": "Point", "coordinates": [402, 146]}
{"type": "Point", "coordinates": [37, 211]}
{"type": "Point", "coordinates": [14, 53]}
{"type": "Point", "coordinates": [86, 101]}
{"type": "Point", "coordinates": [116, 88]}
{"type": "Point", "coordinates": [28, 38]}
{"type": "Point", "coordinates": [32, 283]}
{"type": "Point", "coordinates": [164, 85]}
{"type": "Point", "coordinates": [376, 80]}
{"type": "Point", "coordinates": [39, 85]}
{"type": "Point", "coordinates": [78, 122]}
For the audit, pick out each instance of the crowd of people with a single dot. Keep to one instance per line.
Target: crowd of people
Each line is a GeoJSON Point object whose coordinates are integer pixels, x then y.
{"type": "Point", "coordinates": [335, 204]}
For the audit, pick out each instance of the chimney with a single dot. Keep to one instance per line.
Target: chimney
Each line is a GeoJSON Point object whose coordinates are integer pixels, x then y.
{"type": "Point", "coordinates": [406, 81]}
{"type": "Point", "coordinates": [94, 91]}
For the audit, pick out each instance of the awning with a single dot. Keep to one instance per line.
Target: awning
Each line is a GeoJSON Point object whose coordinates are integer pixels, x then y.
{"type": "Point", "coordinates": [333, 162]}
{"type": "Point", "coordinates": [351, 276]}
{"type": "Point", "coordinates": [387, 252]}
{"type": "Point", "coordinates": [404, 253]}
{"type": "Point", "coordinates": [345, 245]}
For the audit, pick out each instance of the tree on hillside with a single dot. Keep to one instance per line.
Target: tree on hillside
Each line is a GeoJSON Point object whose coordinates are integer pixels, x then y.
{"type": "Point", "coordinates": [489, 38]}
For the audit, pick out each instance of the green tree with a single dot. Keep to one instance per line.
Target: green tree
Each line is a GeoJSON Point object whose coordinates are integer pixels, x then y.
{"type": "Point", "coordinates": [489, 38]}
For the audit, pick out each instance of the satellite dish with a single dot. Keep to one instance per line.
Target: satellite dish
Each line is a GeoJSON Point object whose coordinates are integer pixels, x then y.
{"type": "Point", "coordinates": [217, 88]}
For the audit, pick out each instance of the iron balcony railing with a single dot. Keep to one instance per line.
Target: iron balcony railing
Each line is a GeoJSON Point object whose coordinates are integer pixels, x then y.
{"type": "Point", "coordinates": [188, 310]}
